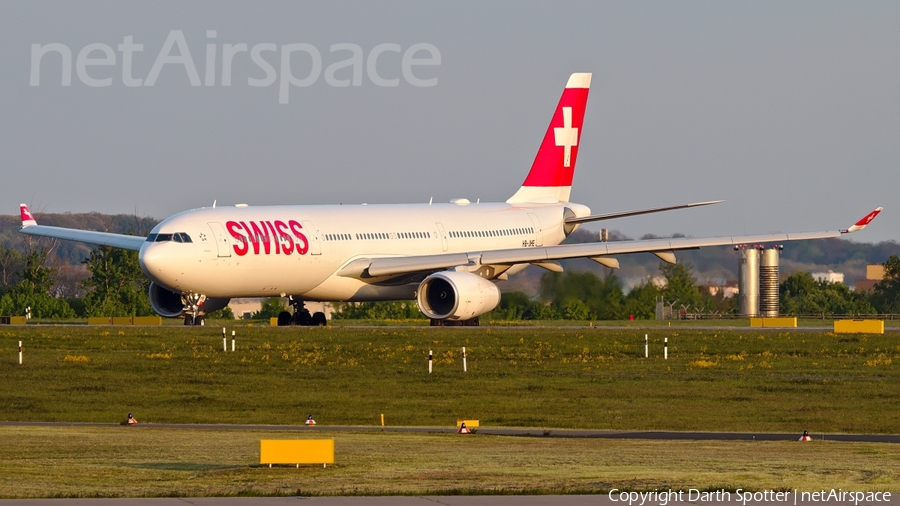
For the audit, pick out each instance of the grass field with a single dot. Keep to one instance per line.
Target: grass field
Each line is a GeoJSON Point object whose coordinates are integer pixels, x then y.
{"type": "Point", "coordinates": [824, 324]}
{"type": "Point", "coordinates": [728, 380]}
{"type": "Point", "coordinates": [135, 462]}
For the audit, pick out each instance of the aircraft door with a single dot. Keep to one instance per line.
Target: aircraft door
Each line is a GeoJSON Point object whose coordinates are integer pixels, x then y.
{"type": "Point", "coordinates": [222, 246]}
{"type": "Point", "coordinates": [538, 232]}
{"type": "Point", "coordinates": [443, 236]}
{"type": "Point", "coordinates": [312, 233]}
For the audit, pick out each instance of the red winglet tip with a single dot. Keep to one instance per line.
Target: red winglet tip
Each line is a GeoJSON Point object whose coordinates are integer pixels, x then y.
{"type": "Point", "coordinates": [869, 217]}
{"type": "Point", "coordinates": [861, 224]}
{"type": "Point", "coordinates": [27, 217]}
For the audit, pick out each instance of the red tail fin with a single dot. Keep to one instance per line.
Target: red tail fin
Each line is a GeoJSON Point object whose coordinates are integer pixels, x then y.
{"type": "Point", "coordinates": [550, 178]}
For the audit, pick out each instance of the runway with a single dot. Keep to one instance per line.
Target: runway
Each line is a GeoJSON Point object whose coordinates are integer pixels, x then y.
{"type": "Point", "coordinates": [511, 432]}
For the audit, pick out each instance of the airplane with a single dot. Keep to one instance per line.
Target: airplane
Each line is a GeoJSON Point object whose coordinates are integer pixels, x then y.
{"type": "Point", "coordinates": [446, 256]}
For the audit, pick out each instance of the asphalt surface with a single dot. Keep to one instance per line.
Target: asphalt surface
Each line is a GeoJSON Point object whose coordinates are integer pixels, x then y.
{"type": "Point", "coordinates": [512, 432]}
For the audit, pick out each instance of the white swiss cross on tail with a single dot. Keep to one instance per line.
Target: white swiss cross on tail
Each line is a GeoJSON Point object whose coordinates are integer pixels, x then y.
{"type": "Point", "coordinates": [566, 136]}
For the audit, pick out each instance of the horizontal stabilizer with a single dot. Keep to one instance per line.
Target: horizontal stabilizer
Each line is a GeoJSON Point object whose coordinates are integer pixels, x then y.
{"type": "Point", "coordinates": [600, 217]}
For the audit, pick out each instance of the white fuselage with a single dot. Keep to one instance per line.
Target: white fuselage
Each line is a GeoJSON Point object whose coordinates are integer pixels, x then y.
{"type": "Point", "coordinates": [247, 251]}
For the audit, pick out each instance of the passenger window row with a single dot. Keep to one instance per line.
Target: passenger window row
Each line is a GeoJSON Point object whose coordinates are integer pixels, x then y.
{"type": "Point", "coordinates": [396, 235]}
{"type": "Point", "coordinates": [505, 232]}
{"type": "Point", "coordinates": [370, 236]}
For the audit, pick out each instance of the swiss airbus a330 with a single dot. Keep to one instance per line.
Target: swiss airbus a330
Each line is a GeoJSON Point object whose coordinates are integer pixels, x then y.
{"type": "Point", "coordinates": [445, 256]}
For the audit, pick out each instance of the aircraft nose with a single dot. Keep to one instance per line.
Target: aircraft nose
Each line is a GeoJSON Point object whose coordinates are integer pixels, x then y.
{"type": "Point", "coordinates": [156, 263]}
{"type": "Point", "coordinates": [173, 264]}
{"type": "Point", "coordinates": [149, 259]}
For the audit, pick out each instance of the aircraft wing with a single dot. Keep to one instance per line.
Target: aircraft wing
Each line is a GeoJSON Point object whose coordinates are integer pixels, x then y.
{"type": "Point", "coordinates": [30, 227]}
{"type": "Point", "coordinates": [664, 248]}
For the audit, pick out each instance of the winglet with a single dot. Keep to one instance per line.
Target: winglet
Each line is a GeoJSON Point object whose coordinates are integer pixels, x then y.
{"type": "Point", "coordinates": [861, 224]}
{"type": "Point", "coordinates": [27, 218]}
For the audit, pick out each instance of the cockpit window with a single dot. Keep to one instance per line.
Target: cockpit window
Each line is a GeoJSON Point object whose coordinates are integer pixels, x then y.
{"type": "Point", "coordinates": [176, 237]}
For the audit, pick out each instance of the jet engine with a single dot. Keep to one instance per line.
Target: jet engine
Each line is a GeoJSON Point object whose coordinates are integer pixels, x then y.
{"type": "Point", "coordinates": [172, 304]}
{"type": "Point", "coordinates": [455, 295]}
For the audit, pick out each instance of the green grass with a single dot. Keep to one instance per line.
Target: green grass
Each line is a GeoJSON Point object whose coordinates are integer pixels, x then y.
{"type": "Point", "coordinates": [825, 324]}
{"type": "Point", "coordinates": [133, 462]}
{"type": "Point", "coordinates": [728, 380]}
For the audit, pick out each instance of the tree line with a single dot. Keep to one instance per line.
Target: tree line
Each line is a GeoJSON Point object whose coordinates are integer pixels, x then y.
{"type": "Point", "coordinates": [116, 286]}
{"type": "Point", "coordinates": [580, 295]}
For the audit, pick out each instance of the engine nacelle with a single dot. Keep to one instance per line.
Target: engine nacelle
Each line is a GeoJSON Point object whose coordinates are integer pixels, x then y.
{"type": "Point", "coordinates": [455, 295]}
{"type": "Point", "coordinates": [172, 304]}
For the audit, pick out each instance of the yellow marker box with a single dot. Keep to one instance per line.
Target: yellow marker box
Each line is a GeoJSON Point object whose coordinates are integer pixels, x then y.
{"type": "Point", "coordinates": [773, 322]}
{"type": "Point", "coordinates": [296, 451]}
{"type": "Point", "coordinates": [146, 320]}
{"type": "Point", "coordinates": [470, 424]}
{"type": "Point", "coordinates": [859, 326]}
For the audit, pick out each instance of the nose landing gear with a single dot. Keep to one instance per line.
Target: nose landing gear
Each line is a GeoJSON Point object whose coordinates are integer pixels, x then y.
{"type": "Point", "coordinates": [193, 319]}
{"type": "Point", "coordinates": [192, 305]}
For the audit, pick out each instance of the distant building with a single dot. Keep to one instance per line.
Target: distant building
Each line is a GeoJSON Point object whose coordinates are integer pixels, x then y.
{"type": "Point", "coordinates": [874, 274]}
{"type": "Point", "coordinates": [728, 290]}
{"type": "Point", "coordinates": [830, 276]}
{"type": "Point", "coordinates": [243, 309]}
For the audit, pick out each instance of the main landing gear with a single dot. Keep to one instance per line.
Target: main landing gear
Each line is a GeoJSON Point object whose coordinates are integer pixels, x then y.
{"type": "Point", "coordinates": [455, 323]}
{"type": "Point", "coordinates": [301, 316]}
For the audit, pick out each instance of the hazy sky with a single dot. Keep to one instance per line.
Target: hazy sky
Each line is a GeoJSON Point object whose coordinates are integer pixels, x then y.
{"type": "Point", "coordinates": [788, 110]}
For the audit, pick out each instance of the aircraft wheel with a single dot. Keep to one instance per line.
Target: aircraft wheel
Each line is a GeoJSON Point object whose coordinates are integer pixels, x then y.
{"type": "Point", "coordinates": [455, 323]}
{"type": "Point", "coordinates": [302, 318]}
{"type": "Point", "coordinates": [284, 319]}
{"type": "Point", "coordinates": [318, 319]}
